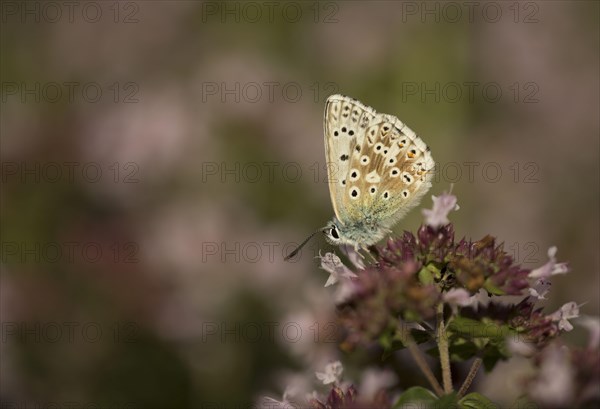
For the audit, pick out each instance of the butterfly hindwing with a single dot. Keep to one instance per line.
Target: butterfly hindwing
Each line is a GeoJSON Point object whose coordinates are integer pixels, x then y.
{"type": "Point", "coordinates": [383, 168]}
{"type": "Point", "coordinates": [405, 166]}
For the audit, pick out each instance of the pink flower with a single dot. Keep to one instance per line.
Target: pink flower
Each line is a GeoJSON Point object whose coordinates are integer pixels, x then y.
{"type": "Point", "coordinates": [354, 256]}
{"type": "Point", "coordinates": [554, 386]}
{"type": "Point", "coordinates": [374, 380]}
{"type": "Point", "coordinates": [551, 267]}
{"type": "Point", "coordinates": [286, 403]}
{"type": "Point", "coordinates": [332, 374]}
{"type": "Point", "coordinates": [336, 269]}
{"type": "Point", "coordinates": [458, 296]}
{"type": "Point", "coordinates": [540, 289]}
{"type": "Point", "coordinates": [568, 311]}
{"type": "Point", "coordinates": [519, 347]}
{"type": "Point", "coordinates": [442, 205]}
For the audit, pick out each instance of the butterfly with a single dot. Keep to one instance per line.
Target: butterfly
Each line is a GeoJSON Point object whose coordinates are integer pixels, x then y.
{"type": "Point", "coordinates": [378, 169]}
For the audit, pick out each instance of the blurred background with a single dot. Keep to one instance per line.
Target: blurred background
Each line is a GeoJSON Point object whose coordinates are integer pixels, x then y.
{"type": "Point", "coordinates": [160, 158]}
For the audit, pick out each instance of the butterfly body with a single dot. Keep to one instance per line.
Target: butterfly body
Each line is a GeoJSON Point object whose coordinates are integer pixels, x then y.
{"type": "Point", "coordinates": [378, 169]}
{"type": "Point", "coordinates": [364, 232]}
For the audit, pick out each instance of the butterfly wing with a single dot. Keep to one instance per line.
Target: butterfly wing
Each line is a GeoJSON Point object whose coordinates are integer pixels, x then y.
{"type": "Point", "coordinates": [399, 172]}
{"type": "Point", "coordinates": [346, 121]}
{"type": "Point", "coordinates": [383, 167]}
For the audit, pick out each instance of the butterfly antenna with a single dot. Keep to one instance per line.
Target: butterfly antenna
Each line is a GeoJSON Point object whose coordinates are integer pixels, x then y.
{"type": "Point", "coordinates": [293, 253]}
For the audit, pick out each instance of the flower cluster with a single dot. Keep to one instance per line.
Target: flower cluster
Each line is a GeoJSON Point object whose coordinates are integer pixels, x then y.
{"type": "Point", "coordinates": [413, 274]}
{"type": "Point", "coordinates": [371, 392]}
{"type": "Point", "coordinates": [458, 293]}
{"type": "Point", "coordinates": [568, 377]}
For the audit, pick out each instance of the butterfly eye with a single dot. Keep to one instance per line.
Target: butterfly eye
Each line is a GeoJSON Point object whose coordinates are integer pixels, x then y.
{"type": "Point", "coordinates": [334, 233]}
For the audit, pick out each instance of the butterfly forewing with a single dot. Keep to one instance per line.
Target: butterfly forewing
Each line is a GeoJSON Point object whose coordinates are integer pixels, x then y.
{"type": "Point", "coordinates": [345, 122]}
{"type": "Point", "coordinates": [378, 167]}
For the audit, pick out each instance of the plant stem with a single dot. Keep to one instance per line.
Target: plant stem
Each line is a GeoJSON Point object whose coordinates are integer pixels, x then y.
{"type": "Point", "coordinates": [442, 341]}
{"type": "Point", "coordinates": [419, 358]}
{"type": "Point", "coordinates": [470, 377]}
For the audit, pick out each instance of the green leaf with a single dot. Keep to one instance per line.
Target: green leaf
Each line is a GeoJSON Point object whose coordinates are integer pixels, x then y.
{"type": "Point", "coordinates": [485, 338]}
{"type": "Point", "coordinates": [491, 288]}
{"type": "Point", "coordinates": [523, 402]}
{"type": "Point", "coordinates": [387, 343]}
{"type": "Point", "coordinates": [490, 358]}
{"type": "Point", "coordinates": [436, 269]}
{"type": "Point", "coordinates": [425, 276]}
{"type": "Point", "coordinates": [462, 351]}
{"type": "Point", "coordinates": [447, 401]}
{"type": "Point", "coordinates": [476, 401]}
{"type": "Point", "coordinates": [390, 349]}
{"type": "Point", "coordinates": [416, 394]}
{"type": "Point", "coordinates": [471, 329]}
{"type": "Point", "coordinates": [467, 327]}
{"type": "Point", "coordinates": [426, 399]}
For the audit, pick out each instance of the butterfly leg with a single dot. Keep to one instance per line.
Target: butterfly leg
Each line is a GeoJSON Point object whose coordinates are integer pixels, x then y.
{"type": "Point", "coordinates": [354, 256]}
{"type": "Point", "coordinates": [372, 252]}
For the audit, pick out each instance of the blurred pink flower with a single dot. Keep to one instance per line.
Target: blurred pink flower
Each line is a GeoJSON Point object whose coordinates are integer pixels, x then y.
{"type": "Point", "coordinates": [592, 324]}
{"type": "Point", "coordinates": [332, 374]}
{"type": "Point", "coordinates": [551, 267]}
{"type": "Point", "coordinates": [374, 380]}
{"type": "Point", "coordinates": [354, 256]}
{"type": "Point", "coordinates": [336, 269]}
{"type": "Point", "coordinates": [442, 205]}
{"type": "Point", "coordinates": [553, 386]}
{"type": "Point", "coordinates": [540, 289]}
{"type": "Point", "coordinates": [568, 311]}
{"type": "Point", "coordinates": [458, 297]}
